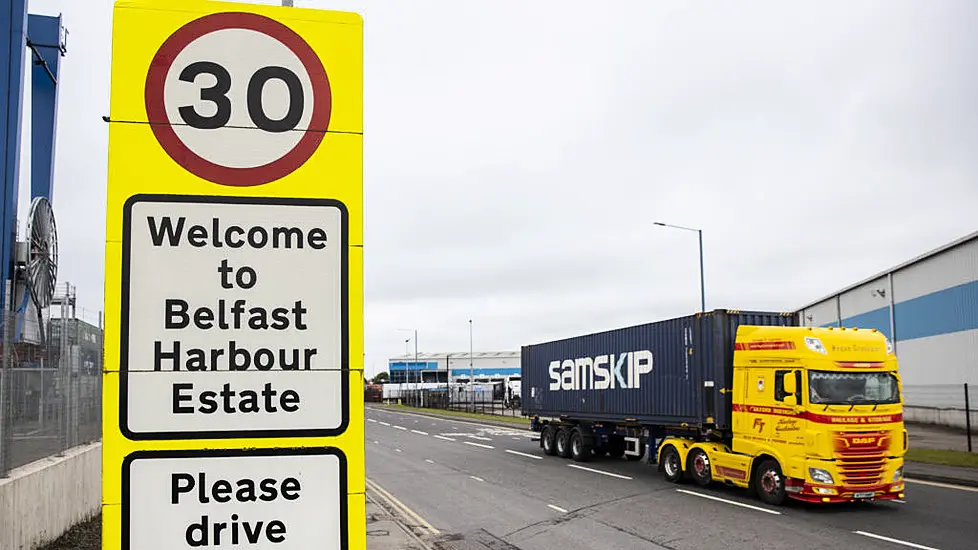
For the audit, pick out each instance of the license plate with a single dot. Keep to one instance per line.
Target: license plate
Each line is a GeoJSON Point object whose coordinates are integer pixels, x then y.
{"type": "Point", "coordinates": [866, 494]}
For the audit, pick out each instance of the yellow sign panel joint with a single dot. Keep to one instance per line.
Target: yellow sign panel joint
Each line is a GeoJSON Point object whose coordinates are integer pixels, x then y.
{"type": "Point", "coordinates": [232, 390]}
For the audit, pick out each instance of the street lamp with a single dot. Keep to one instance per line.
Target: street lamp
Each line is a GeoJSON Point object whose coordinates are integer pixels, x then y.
{"type": "Point", "coordinates": [408, 370]}
{"type": "Point", "coordinates": [702, 284]}
{"type": "Point", "coordinates": [471, 370]}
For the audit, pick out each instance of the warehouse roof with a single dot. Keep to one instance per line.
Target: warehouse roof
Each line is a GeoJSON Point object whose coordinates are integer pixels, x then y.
{"type": "Point", "coordinates": [963, 240]}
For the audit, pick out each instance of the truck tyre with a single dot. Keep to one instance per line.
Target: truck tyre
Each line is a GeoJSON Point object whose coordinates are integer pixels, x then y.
{"type": "Point", "coordinates": [563, 443]}
{"type": "Point", "coordinates": [769, 483]}
{"type": "Point", "coordinates": [672, 466]}
{"type": "Point", "coordinates": [547, 440]}
{"type": "Point", "coordinates": [616, 447]}
{"type": "Point", "coordinates": [699, 467]}
{"type": "Point", "coordinates": [580, 452]}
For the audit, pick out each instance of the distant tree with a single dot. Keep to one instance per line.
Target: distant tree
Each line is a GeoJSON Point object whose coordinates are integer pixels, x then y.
{"type": "Point", "coordinates": [382, 378]}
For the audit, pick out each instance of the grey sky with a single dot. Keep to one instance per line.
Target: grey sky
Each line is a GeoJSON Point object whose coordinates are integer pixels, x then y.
{"type": "Point", "coordinates": [516, 154]}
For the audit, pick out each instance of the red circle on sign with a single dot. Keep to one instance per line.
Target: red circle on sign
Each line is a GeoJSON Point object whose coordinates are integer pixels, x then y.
{"type": "Point", "coordinates": [228, 175]}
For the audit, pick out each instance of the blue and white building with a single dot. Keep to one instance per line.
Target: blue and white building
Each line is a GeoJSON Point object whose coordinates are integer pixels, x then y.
{"type": "Point", "coordinates": [487, 366]}
{"type": "Point", "coordinates": [928, 308]}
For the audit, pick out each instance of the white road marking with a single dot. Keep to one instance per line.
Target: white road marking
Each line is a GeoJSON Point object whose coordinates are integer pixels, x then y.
{"type": "Point", "coordinates": [524, 454]}
{"type": "Point", "coordinates": [429, 461]}
{"type": "Point", "coordinates": [734, 502]}
{"type": "Point", "coordinates": [894, 541]}
{"type": "Point", "coordinates": [419, 432]}
{"type": "Point", "coordinates": [376, 442]}
{"type": "Point", "coordinates": [480, 438]}
{"type": "Point", "coordinates": [386, 423]}
{"type": "Point", "coordinates": [393, 500]}
{"type": "Point", "coordinates": [433, 424]}
{"type": "Point", "coordinates": [445, 438]}
{"type": "Point", "coordinates": [598, 471]}
{"type": "Point", "coordinates": [478, 445]}
{"type": "Point", "coordinates": [401, 428]}
{"type": "Point", "coordinates": [517, 438]}
{"type": "Point", "coordinates": [944, 485]}
{"type": "Point", "coordinates": [398, 450]}
{"type": "Point", "coordinates": [558, 508]}
{"type": "Point", "coordinates": [371, 420]}
{"type": "Point", "coordinates": [478, 479]}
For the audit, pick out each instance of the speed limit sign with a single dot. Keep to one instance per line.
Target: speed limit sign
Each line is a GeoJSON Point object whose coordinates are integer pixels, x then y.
{"type": "Point", "coordinates": [238, 98]}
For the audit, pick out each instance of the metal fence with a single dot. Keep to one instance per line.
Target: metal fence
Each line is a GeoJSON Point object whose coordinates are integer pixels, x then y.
{"type": "Point", "coordinates": [51, 389]}
{"type": "Point", "coordinates": [949, 404]}
{"type": "Point", "coordinates": [482, 402]}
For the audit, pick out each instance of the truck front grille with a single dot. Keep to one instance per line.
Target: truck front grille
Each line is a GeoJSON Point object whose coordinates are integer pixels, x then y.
{"type": "Point", "coordinates": [861, 457]}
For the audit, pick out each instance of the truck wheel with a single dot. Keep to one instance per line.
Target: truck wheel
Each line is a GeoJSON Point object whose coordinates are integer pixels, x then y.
{"type": "Point", "coordinates": [579, 451]}
{"type": "Point", "coordinates": [616, 447]}
{"type": "Point", "coordinates": [770, 483]}
{"type": "Point", "coordinates": [699, 467]}
{"type": "Point", "coordinates": [547, 441]}
{"type": "Point", "coordinates": [563, 443]}
{"type": "Point", "coordinates": [671, 465]}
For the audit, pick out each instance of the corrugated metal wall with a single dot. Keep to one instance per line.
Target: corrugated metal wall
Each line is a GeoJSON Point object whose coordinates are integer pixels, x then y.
{"type": "Point", "coordinates": [933, 308]}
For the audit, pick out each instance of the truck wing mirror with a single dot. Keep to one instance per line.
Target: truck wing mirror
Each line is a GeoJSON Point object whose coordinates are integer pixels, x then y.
{"type": "Point", "coordinates": [791, 400]}
{"type": "Point", "coordinates": [790, 387]}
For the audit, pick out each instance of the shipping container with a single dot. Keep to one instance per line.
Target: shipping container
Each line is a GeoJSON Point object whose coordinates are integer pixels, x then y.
{"type": "Point", "coordinates": [673, 372]}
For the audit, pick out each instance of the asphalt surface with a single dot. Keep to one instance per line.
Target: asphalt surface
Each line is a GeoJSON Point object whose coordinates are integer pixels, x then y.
{"type": "Point", "coordinates": [494, 484]}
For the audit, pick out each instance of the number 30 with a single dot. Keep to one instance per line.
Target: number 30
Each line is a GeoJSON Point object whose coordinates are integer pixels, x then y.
{"type": "Point", "coordinates": [217, 94]}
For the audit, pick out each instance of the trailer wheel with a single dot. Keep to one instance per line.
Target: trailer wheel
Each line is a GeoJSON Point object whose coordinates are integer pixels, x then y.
{"type": "Point", "coordinates": [770, 483]}
{"type": "Point", "coordinates": [579, 451]}
{"type": "Point", "coordinates": [563, 443]}
{"type": "Point", "coordinates": [699, 467]}
{"type": "Point", "coordinates": [671, 465]}
{"type": "Point", "coordinates": [547, 440]}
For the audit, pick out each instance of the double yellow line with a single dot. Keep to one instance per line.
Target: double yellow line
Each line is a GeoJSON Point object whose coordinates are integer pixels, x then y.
{"type": "Point", "coordinates": [401, 507]}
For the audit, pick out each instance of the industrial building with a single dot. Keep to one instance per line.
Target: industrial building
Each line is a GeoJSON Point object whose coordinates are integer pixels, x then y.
{"type": "Point", "coordinates": [487, 366]}
{"type": "Point", "coordinates": [928, 308]}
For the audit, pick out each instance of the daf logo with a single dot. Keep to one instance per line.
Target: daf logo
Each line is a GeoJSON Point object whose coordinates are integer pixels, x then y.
{"type": "Point", "coordinates": [863, 440]}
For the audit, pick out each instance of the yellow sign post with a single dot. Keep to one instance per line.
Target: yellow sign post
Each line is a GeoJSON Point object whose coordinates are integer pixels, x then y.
{"type": "Point", "coordinates": [233, 402]}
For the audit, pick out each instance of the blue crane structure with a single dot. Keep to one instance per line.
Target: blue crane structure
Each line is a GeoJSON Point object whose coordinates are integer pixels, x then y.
{"type": "Point", "coordinates": [41, 39]}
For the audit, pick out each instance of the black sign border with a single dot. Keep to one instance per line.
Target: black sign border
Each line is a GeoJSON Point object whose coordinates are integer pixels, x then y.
{"type": "Point", "coordinates": [124, 320]}
{"type": "Point", "coordinates": [237, 453]}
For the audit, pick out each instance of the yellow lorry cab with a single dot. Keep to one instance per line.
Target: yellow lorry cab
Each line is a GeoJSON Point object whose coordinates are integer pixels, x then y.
{"type": "Point", "coordinates": [817, 415]}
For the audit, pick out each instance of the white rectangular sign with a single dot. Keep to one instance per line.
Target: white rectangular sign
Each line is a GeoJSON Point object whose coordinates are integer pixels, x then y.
{"type": "Point", "coordinates": [234, 317]}
{"type": "Point", "coordinates": [259, 498]}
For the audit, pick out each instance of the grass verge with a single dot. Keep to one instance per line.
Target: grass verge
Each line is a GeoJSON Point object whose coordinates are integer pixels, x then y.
{"type": "Point", "coordinates": [515, 420]}
{"type": "Point", "coordinates": [943, 457]}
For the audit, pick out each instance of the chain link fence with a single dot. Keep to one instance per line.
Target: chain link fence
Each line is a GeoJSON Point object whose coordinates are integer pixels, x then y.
{"type": "Point", "coordinates": [50, 385]}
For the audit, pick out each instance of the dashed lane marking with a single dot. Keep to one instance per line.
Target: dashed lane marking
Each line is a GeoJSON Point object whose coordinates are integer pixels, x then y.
{"type": "Point", "coordinates": [524, 454]}
{"type": "Point", "coordinates": [474, 444]}
{"type": "Point", "coordinates": [894, 541]}
{"type": "Point", "coordinates": [419, 432]}
{"type": "Point", "coordinates": [602, 472]}
{"type": "Point", "coordinates": [733, 502]}
{"type": "Point", "coordinates": [558, 508]}
{"type": "Point", "coordinates": [445, 438]}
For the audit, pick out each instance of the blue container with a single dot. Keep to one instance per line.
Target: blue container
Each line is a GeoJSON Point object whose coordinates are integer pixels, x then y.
{"type": "Point", "coordinates": [666, 373]}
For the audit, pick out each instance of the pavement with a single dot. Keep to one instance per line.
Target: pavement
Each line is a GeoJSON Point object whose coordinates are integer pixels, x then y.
{"type": "Point", "coordinates": [485, 486]}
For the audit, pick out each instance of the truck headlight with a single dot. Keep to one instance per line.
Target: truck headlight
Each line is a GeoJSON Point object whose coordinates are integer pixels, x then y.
{"type": "Point", "coordinates": [898, 474]}
{"type": "Point", "coordinates": [821, 476]}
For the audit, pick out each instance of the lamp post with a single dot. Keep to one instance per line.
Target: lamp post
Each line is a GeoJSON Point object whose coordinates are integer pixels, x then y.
{"type": "Point", "coordinates": [471, 370]}
{"type": "Point", "coordinates": [699, 232]}
{"type": "Point", "coordinates": [408, 370]}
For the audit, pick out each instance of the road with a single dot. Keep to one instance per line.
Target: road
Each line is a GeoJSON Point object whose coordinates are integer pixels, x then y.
{"type": "Point", "coordinates": [495, 484]}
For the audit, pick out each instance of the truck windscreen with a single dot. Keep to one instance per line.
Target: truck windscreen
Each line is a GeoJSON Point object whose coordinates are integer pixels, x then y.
{"type": "Point", "coordinates": [848, 388]}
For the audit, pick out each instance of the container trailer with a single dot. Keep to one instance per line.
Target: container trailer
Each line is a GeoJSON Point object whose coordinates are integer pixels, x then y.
{"type": "Point", "coordinates": [747, 399]}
